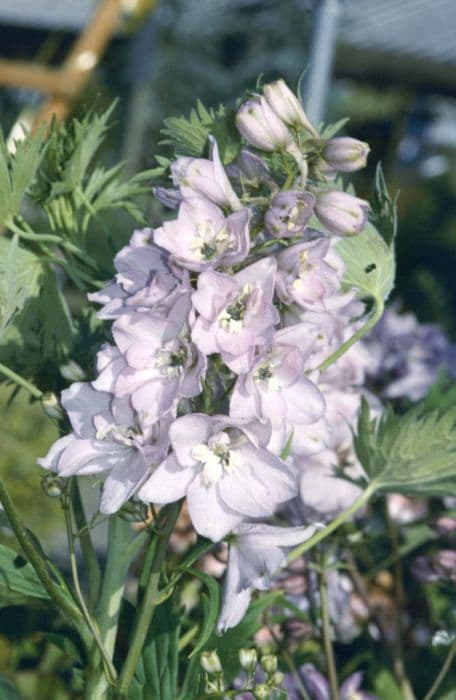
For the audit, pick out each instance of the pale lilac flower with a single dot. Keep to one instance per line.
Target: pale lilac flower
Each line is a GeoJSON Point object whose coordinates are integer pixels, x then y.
{"type": "Point", "coordinates": [341, 213]}
{"type": "Point", "coordinates": [309, 274]}
{"type": "Point", "coordinates": [236, 313]}
{"type": "Point", "coordinates": [158, 364]}
{"type": "Point", "coordinates": [168, 196]}
{"type": "Point", "coordinates": [287, 107]}
{"type": "Point", "coordinates": [108, 436]}
{"type": "Point", "coordinates": [145, 279]}
{"type": "Point", "coordinates": [261, 127]}
{"type": "Point", "coordinates": [289, 213]}
{"type": "Point", "coordinates": [250, 168]}
{"type": "Point", "coordinates": [256, 552]}
{"type": "Point", "coordinates": [203, 237]}
{"type": "Point", "coordinates": [345, 154]}
{"type": "Point", "coordinates": [276, 387]}
{"type": "Point", "coordinates": [318, 686]}
{"type": "Point", "coordinates": [223, 468]}
{"type": "Point", "coordinates": [205, 178]}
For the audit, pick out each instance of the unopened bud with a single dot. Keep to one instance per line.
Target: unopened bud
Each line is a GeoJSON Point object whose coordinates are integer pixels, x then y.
{"type": "Point", "coordinates": [51, 406]}
{"type": "Point", "coordinates": [52, 485]}
{"type": "Point", "coordinates": [261, 691]}
{"type": "Point", "coordinates": [210, 661]}
{"type": "Point", "coordinates": [269, 663]}
{"type": "Point", "coordinates": [73, 372]}
{"type": "Point", "coordinates": [261, 127]}
{"type": "Point", "coordinates": [341, 213]}
{"type": "Point", "coordinates": [248, 659]}
{"type": "Point", "coordinates": [277, 678]}
{"type": "Point", "coordinates": [287, 107]}
{"type": "Point", "coordinates": [345, 154]}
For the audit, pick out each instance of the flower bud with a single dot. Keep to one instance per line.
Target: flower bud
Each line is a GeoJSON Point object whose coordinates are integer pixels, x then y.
{"type": "Point", "coordinates": [52, 485]}
{"type": "Point", "coordinates": [277, 678]}
{"type": "Point", "coordinates": [289, 213]}
{"type": "Point", "coordinates": [261, 691]}
{"type": "Point", "coordinates": [345, 154]}
{"type": "Point", "coordinates": [269, 664]}
{"type": "Point", "coordinates": [248, 659]}
{"type": "Point", "coordinates": [261, 127]}
{"type": "Point", "coordinates": [51, 406]}
{"type": "Point", "coordinates": [210, 661]}
{"type": "Point", "coordinates": [341, 213]}
{"type": "Point", "coordinates": [287, 107]}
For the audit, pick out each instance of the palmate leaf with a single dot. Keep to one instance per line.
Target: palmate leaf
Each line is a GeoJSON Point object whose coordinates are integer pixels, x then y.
{"type": "Point", "coordinates": [413, 453]}
{"type": "Point", "coordinates": [35, 321]}
{"type": "Point", "coordinates": [17, 172]}
{"type": "Point", "coordinates": [384, 208]}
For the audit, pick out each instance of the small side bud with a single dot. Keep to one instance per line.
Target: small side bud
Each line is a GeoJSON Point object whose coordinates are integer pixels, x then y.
{"type": "Point", "coordinates": [345, 154]}
{"type": "Point", "coordinates": [248, 659]}
{"type": "Point", "coordinates": [287, 107]}
{"type": "Point", "coordinates": [261, 127]}
{"type": "Point", "coordinates": [51, 406]}
{"type": "Point", "coordinates": [261, 692]}
{"type": "Point", "coordinates": [210, 662]}
{"type": "Point", "coordinates": [52, 485]}
{"type": "Point", "coordinates": [277, 678]}
{"type": "Point", "coordinates": [269, 664]}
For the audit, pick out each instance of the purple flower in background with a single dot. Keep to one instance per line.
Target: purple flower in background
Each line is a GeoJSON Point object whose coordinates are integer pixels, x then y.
{"type": "Point", "coordinates": [236, 314]}
{"type": "Point", "coordinates": [108, 436]}
{"type": "Point", "coordinates": [249, 167]}
{"type": "Point", "coordinates": [205, 178]}
{"type": "Point", "coordinates": [261, 127]}
{"type": "Point", "coordinates": [276, 387]}
{"type": "Point", "coordinates": [345, 154]}
{"type": "Point", "coordinates": [223, 468]}
{"type": "Point", "coordinates": [406, 356]}
{"type": "Point", "coordinates": [309, 274]}
{"type": "Point", "coordinates": [168, 196]}
{"type": "Point", "coordinates": [318, 686]}
{"type": "Point", "coordinates": [341, 213]}
{"type": "Point", "coordinates": [256, 553]}
{"type": "Point", "coordinates": [202, 236]}
{"type": "Point", "coordinates": [289, 213]}
{"type": "Point", "coordinates": [144, 279]}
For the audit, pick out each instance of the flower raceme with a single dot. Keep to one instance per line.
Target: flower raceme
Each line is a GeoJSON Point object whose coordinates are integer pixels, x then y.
{"type": "Point", "coordinates": [208, 389]}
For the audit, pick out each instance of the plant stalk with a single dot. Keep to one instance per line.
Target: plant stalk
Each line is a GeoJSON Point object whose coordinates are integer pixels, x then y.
{"type": "Point", "coordinates": [20, 381]}
{"type": "Point", "coordinates": [327, 642]}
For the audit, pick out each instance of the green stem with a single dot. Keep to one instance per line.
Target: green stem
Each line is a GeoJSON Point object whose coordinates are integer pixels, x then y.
{"type": "Point", "coordinates": [62, 600]}
{"type": "Point", "coordinates": [33, 390]}
{"type": "Point", "coordinates": [149, 600]}
{"type": "Point", "coordinates": [91, 563]}
{"type": "Point", "coordinates": [327, 642]}
{"type": "Point", "coordinates": [334, 524]}
{"type": "Point", "coordinates": [110, 670]}
{"type": "Point", "coordinates": [442, 673]}
{"type": "Point", "coordinates": [360, 333]}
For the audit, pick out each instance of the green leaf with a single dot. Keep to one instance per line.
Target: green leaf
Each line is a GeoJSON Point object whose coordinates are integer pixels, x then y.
{"type": "Point", "coordinates": [413, 453]}
{"type": "Point", "coordinates": [332, 129]}
{"type": "Point", "coordinates": [19, 279]}
{"type": "Point", "coordinates": [18, 580]}
{"type": "Point", "coordinates": [156, 675]}
{"type": "Point", "coordinates": [369, 263]}
{"type": "Point", "coordinates": [40, 331]}
{"type": "Point", "coordinates": [17, 172]}
{"type": "Point", "coordinates": [384, 208]}
{"type": "Point", "coordinates": [211, 608]}
{"type": "Point", "coordinates": [385, 686]}
{"type": "Point", "coordinates": [65, 644]}
{"type": "Point", "coordinates": [8, 690]}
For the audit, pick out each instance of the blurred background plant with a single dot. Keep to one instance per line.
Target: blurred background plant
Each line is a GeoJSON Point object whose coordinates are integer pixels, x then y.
{"type": "Point", "coordinates": [392, 71]}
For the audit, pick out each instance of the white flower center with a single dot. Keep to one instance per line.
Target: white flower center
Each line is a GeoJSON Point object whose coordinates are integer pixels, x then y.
{"type": "Point", "coordinates": [209, 243]}
{"type": "Point", "coordinates": [122, 434]}
{"type": "Point", "coordinates": [171, 362]}
{"type": "Point", "coordinates": [305, 266]}
{"type": "Point", "coordinates": [216, 457]}
{"type": "Point", "coordinates": [265, 373]}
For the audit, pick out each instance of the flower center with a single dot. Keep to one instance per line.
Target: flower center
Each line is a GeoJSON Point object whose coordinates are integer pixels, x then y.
{"type": "Point", "coordinates": [216, 457]}
{"type": "Point", "coordinates": [232, 317]}
{"type": "Point", "coordinates": [122, 434]}
{"type": "Point", "coordinates": [264, 373]}
{"type": "Point", "coordinates": [170, 362]}
{"type": "Point", "coordinates": [209, 243]}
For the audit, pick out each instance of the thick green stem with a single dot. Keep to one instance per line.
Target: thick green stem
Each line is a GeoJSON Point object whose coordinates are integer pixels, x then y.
{"type": "Point", "coordinates": [149, 601]}
{"type": "Point", "coordinates": [20, 381]}
{"type": "Point", "coordinates": [334, 524]}
{"type": "Point", "coordinates": [327, 642]}
{"type": "Point", "coordinates": [89, 556]}
{"type": "Point", "coordinates": [375, 316]}
{"type": "Point", "coordinates": [61, 599]}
